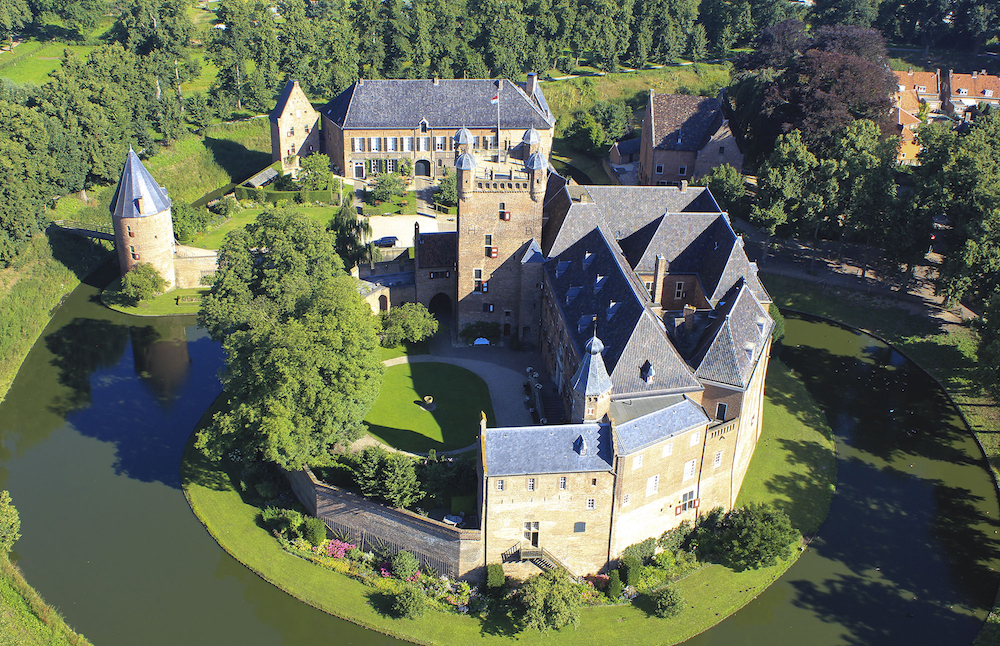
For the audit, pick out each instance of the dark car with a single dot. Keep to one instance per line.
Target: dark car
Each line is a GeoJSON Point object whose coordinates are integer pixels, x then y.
{"type": "Point", "coordinates": [387, 241]}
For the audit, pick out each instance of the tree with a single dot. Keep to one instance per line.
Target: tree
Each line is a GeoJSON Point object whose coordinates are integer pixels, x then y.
{"type": "Point", "coordinates": [302, 368]}
{"type": "Point", "coordinates": [353, 235]}
{"type": "Point", "coordinates": [250, 40]}
{"type": "Point", "coordinates": [199, 112]}
{"type": "Point", "coordinates": [409, 602]}
{"type": "Point", "coordinates": [398, 480]}
{"type": "Point", "coordinates": [387, 186]}
{"type": "Point", "coordinates": [142, 282]}
{"type": "Point", "coordinates": [729, 189]}
{"type": "Point", "coordinates": [668, 602]}
{"type": "Point", "coordinates": [410, 322]}
{"type": "Point", "coordinates": [847, 12]}
{"type": "Point", "coordinates": [550, 601]}
{"type": "Point", "coordinates": [14, 14]}
{"type": "Point", "coordinates": [447, 190]}
{"type": "Point", "coordinates": [315, 172]}
{"type": "Point", "coordinates": [751, 537]}
{"type": "Point", "coordinates": [614, 586]}
{"type": "Point", "coordinates": [10, 524]}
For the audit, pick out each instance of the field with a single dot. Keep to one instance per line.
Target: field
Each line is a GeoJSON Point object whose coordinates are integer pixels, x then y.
{"type": "Point", "coordinates": [213, 239]}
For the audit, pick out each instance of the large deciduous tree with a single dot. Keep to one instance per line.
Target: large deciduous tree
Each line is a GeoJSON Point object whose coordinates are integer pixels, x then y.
{"type": "Point", "coordinates": [302, 366]}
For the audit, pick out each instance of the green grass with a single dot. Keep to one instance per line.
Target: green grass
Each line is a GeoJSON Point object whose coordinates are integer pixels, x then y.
{"type": "Point", "coordinates": [564, 154]}
{"type": "Point", "coordinates": [712, 593]}
{"type": "Point", "coordinates": [35, 69]}
{"type": "Point", "coordinates": [168, 304]}
{"type": "Point", "coordinates": [25, 619]}
{"type": "Point", "coordinates": [408, 349]}
{"type": "Point", "coordinates": [189, 168]}
{"type": "Point", "coordinates": [405, 205]}
{"type": "Point", "coordinates": [213, 239]}
{"type": "Point", "coordinates": [459, 396]}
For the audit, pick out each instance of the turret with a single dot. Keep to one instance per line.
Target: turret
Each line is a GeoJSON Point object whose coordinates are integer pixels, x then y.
{"type": "Point", "coordinates": [591, 384]}
{"type": "Point", "coordinates": [463, 141]}
{"type": "Point", "coordinates": [531, 141]}
{"type": "Point", "coordinates": [536, 168]}
{"type": "Point", "coordinates": [465, 168]}
{"type": "Point", "coordinates": [140, 212]}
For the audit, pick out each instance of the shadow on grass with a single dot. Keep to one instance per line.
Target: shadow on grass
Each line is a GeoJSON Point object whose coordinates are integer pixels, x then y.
{"type": "Point", "coordinates": [237, 160]}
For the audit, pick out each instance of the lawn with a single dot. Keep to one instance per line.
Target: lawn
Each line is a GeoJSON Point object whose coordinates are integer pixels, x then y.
{"type": "Point", "coordinates": [408, 349]}
{"type": "Point", "coordinates": [582, 167]}
{"type": "Point", "coordinates": [44, 58]}
{"type": "Point", "coordinates": [172, 303]}
{"type": "Point", "coordinates": [405, 205]}
{"type": "Point", "coordinates": [459, 397]}
{"type": "Point", "coordinates": [213, 239]}
{"type": "Point", "coordinates": [25, 619]}
{"type": "Point", "coordinates": [233, 523]}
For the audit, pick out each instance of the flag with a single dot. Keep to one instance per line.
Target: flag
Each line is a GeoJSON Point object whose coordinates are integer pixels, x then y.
{"type": "Point", "coordinates": [496, 99]}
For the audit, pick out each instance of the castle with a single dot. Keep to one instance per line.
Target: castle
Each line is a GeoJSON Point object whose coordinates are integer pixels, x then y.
{"type": "Point", "coordinates": [650, 319]}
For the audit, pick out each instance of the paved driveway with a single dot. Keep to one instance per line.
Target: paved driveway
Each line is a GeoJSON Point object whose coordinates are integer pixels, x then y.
{"type": "Point", "coordinates": [401, 226]}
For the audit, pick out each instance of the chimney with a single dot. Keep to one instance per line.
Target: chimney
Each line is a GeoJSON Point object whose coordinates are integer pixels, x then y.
{"type": "Point", "coordinates": [909, 71]}
{"type": "Point", "coordinates": [361, 81]}
{"type": "Point", "coordinates": [139, 205]}
{"type": "Point", "coordinates": [531, 84]}
{"type": "Point", "coordinates": [659, 276]}
{"type": "Point", "coordinates": [437, 81]}
{"type": "Point", "coordinates": [975, 73]}
{"type": "Point", "coordinates": [684, 185]}
{"type": "Point", "coordinates": [689, 311]}
{"type": "Point", "coordinates": [482, 424]}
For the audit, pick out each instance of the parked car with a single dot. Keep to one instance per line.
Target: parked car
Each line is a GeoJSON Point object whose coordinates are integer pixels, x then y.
{"type": "Point", "coordinates": [387, 241]}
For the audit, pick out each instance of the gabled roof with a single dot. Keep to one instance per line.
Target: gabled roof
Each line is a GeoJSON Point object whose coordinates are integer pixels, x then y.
{"type": "Point", "coordinates": [442, 103]}
{"type": "Point", "coordinates": [904, 118]}
{"type": "Point", "coordinates": [911, 80]}
{"type": "Point", "coordinates": [675, 418]}
{"type": "Point", "coordinates": [731, 346]}
{"type": "Point", "coordinates": [279, 106]}
{"type": "Point", "coordinates": [621, 210]}
{"type": "Point", "coordinates": [976, 85]}
{"type": "Point", "coordinates": [591, 278]}
{"type": "Point", "coordinates": [908, 100]}
{"type": "Point", "coordinates": [136, 183]}
{"type": "Point", "coordinates": [627, 146]}
{"type": "Point", "coordinates": [532, 253]}
{"type": "Point", "coordinates": [683, 122]}
{"type": "Point", "coordinates": [566, 448]}
{"type": "Point", "coordinates": [437, 250]}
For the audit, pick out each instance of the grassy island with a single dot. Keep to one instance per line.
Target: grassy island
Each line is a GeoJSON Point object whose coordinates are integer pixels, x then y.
{"type": "Point", "coordinates": [796, 446]}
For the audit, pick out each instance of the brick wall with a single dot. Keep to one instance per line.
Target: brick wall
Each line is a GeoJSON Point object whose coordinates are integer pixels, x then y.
{"type": "Point", "coordinates": [455, 552]}
{"type": "Point", "coordinates": [148, 239]}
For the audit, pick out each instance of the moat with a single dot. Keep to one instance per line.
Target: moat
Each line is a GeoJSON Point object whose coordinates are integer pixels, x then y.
{"type": "Point", "coordinates": [92, 432]}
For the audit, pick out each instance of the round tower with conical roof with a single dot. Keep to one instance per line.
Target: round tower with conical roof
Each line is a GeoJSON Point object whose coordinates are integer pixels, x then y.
{"type": "Point", "coordinates": [140, 212]}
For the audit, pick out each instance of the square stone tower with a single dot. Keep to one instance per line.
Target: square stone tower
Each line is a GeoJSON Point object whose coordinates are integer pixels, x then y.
{"type": "Point", "coordinates": [294, 127]}
{"type": "Point", "coordinates": [499, 214]}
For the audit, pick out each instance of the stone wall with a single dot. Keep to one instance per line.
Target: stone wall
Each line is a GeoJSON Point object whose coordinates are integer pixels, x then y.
{"type": "Point", "coordinates": [148, 239]}
{"type": "Point", "coordinates": [458, 553]}
{"type": "Point", "coordinates": [720, 149]}
{"type": "Point", "coordinates": [296, 132]}
{"type": "Point", "coordinates": [191, 265]}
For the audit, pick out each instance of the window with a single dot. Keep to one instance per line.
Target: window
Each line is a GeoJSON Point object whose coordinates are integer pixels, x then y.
{"type": "Point", "coordinates": [440, 274]}
{"type": "Point", "coordinates": [390, 144]}
{"type": "Point", "coordinates": [682, 171]}
{"type": "Point", "coordinates": [679, 290]}
{"type": "Point", "coordinates": [407, 144]}
{"type": "Point", "coordinates": [962, 91]}
{"type": "Point", "coordinates": [507, 313]}
{"type": "Point", "coordinates": [717, 462]}
{"type": "Point", "coordinates": [375, 143]}
{"type": "Point", "coordinates": [987, 92]}
{"type": "Point", "coordinates": [689, 468]}
{"type": "Point", "coordinates": [695, 437]}
{"type": "Point", "coordinates": [720, 411]}
{"type": "Point", "coordinates": [291, 132]}
{"type": "Point", "coordinates": [688, 501]}
{"type": "Point", "coordinates": [626, 499]}
{"type": "Point", "coordinates": [591, 504]}
{"type": "Point", "coordinates": [485, 286]}
{"type": "Point", "coordinates": [487, 307]}
{"type": "Point", "coordinates": [659, 169]}
{"type": "Point", "coordinates": [531, 484]}
{"type": "Point", "coordinates": [423, 126]}
{"type": "Point", "coordinates": [579, 528]}
{"type": "Point", "coordinates": [499, 485]}
{"type": "Point", "coordinates": [593, 482]}
{"type": "Point", "coordinates": [390, 165]}
{"type": "Point", "coordinates": [357, 144]}
{"type": "Point", "coordinates": [637, 462]}
{"type": "Point", "coordinates": [562, 482]}
{"type": "Point", "coordinates": [921, 88]}
{"type": "Point", "coordinates": [652, 484]}
{"type": "Point", "coordinates": [668, 449]}
{"type": "Point", "coordinates": [649, 286]}
{"type": "Point", "coordinates": [439, 143]}
{"type": "Point", "coordinates": [425, 143]}
{"type": "Point", "coordinates": [722, 150]}
{"type": "Point", "coordinates": [489, 240]}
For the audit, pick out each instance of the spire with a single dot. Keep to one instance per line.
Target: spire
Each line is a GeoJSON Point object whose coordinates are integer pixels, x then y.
{"type": "Point", "coordinates": [138, 194]}
{"type": "Point", "coordinates": [591, 379]}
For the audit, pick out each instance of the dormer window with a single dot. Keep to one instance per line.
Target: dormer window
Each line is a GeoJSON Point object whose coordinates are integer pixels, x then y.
{"type": "Point", "coordinates": [761, 325]}
{"type": "Point", "coordinates": [423, 126]}
{"type": "Point", "coordinates": [561, 268]}
{"type": "Point", "coordinates": [572, 293]}
{"type": "Point", "coordinates": [647, 372]}
{"type": "Point", "coordinates": [901, 88]}
{"type": "Point", "coordinates": [599, 283]}
{"type": "Point", "coordinates": [612, 308]}
{"type": "Point", "coordinates": [987, 92]}
{"type": "Point", "coordinates": [921, 88]}
{"type": "Point", "coordinates": [748, 348]}
{"type": "Point", "coordinates": [583, 323]}
{"type": "Point", "coordinates": [587, 258]}
{"type": "Point", "coordinates": [962, 91]}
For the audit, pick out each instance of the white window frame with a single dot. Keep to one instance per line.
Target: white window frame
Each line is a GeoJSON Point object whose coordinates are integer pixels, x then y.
{"type": "Point", "coordinates": [695, 438]}
{"type": "Point", "coordinates": [407, 144]}
{"type": "Point", "coordinates": [562, 483]}
{"type": "Point", "coordinates": [659, 169]}
{"type": "Point", "coordinates": [390, 165]}
{"type": "Point", "coordinates": [440, 144]}
{"type": "Point", "coordinates": [390, 144]}
{"type": "Point", "coordinates": [668, 449]}
{"type": "Point", "coordinates": [690, 468]}
{"type": "Point", "coordinates": [531, 484]}
{"type": "Point", "coordinates": [500, 485]}
{"type": "Point", "coordinates": [357, 144]}
{"type": "Point", "coordinates": [375, 143]}
{"type": "Point", "coordinates": [626, 498]}
{"type": "Point", "coordinates": [637, 462]}
{"type": "Point", "coordinates": [682, 171]}
{"type": "Point", "coordinates": [679, 290]}
{"type": "Point", "coordinates": [687, 500]}
{"type": "Point", "coordinates": [717, 460]}
{"type": "Point", "coordinates": [591, 504]}
{"type": "Point", "coordinates": [652, 485]}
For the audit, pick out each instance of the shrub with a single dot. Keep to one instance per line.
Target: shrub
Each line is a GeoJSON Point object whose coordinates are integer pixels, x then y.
{"type": "Point", "coordinates": [314, 530]}
{"type": "Point", "coordinates": [409, 602]}
{"type": "Point", "coordinates": [387, 186]}
{"type": "Point", "coordinates": [667, 602]}
{"type": "Point", "coordinates": [550, 600]}
{"type": "Point", "coordinates": [289, 523]}
{"type": "Point", "coordinates": [614, 590]}
{"type": "Point", "coordinates": [630, 569]}
{"type": "Point", "coordinates": [10, 524]}
{"type": "Point", "coordinates": [270, 515]}
{"type": "Point", "coordinates": [404, 565]}
{"type": "Point", "coordinates": [643, 551]}
{"type": "Point", "coordinates": [409, 322]}
{"type": "Point", "coordinates": [447, 190]}
{"type": "Point", "coordinates": [495, 578]}
{"type": "Point", "coordinates": [779, 323]}
{"type": "Point", "coordinates": [142, 282]}
{"type": "Point", "coordinates": [676, 538]}
{"type": "Point", "coordinates": [757, 536]}
{"type": "Point", "coordinates": [315, 172]}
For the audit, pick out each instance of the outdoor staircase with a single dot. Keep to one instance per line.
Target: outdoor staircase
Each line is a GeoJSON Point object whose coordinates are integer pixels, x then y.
{"type": "Point", "coordinates": [544, 559]}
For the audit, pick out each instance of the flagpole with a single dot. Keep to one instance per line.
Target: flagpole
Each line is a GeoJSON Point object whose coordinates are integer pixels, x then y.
{"type": "Point", "coordinates": [499, 88]}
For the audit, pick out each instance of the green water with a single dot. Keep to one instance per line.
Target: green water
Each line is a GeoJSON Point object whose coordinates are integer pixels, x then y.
{"type": "Point", "coordinates": [92, 432]}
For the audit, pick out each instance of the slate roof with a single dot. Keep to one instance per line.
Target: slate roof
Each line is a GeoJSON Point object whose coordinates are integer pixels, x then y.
{"type": "Point", "coordinates": [444, 103]}
{"type": "Point", "coordinates": [135, 183]}
{"type": "Point", "coordinates": [628, 146]}
{"type": "Point", "coordinates": [279, 106]}
{"type": "Point", "coordinates": [683, 122]}
{"type": "Point", "coordinates": [703, 244]}
{"type": "Point", "coordinates": [632, 334]}
{"type": "Point", "coordinates": [437, 250]}
{"type": "Point", "coordinates": [730, 347]}
{"type": "Point", "coordinates": [591, 378]}
{"type": "Point", "coordinates": [622, 210]}
{"type": "Point", "coordinates": [546, 449]}
{"type": "Point", "coordinates": [673, 419]}
{"type": "Point", "coordinates": [532, 253]}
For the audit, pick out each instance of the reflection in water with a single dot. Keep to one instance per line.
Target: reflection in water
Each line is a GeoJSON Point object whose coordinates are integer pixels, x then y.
{"type": "Point", "coordinates": [92, 432]}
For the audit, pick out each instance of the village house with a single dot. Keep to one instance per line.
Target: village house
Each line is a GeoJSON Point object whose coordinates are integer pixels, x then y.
{"type": "Point", "coordinates": [962, 94]}
{"type": "Point", "coordinates": [684, 137]}
{"type": "Point", "coordinates": [294, 127]}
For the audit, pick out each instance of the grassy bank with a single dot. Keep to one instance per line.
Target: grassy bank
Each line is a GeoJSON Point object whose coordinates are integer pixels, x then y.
{"type": "Point", "coordinates": [173, 303]}
{"type": "Point", "coordinates": [47, 269]}
{"type": "Point", "coordinates": [946, 351]}
{"type": "Point", "coordinates": [25, 618]}
{"type": "Point", "coordinates": [712, 593]}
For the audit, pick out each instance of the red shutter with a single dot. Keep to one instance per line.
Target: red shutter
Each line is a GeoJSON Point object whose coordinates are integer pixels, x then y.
{"type": "Point", "coordinates": [677, 510]}
{"type": "Point", "coordinates": [697, 502]}
{"type": "Point", "coordinates": [505, 215]}
{"type": "Point", "coordinates": [494, 252]}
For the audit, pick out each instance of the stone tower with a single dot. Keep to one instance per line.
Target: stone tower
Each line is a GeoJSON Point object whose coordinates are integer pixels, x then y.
{"type": "Point", "coordinates": [294, 127]}
{"type": "Point", "coordinates": [140, 212]}
{"type": "Point", "coordinates": [499, 214]}
{"type": "Point", "coordinates": [591, 384]}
